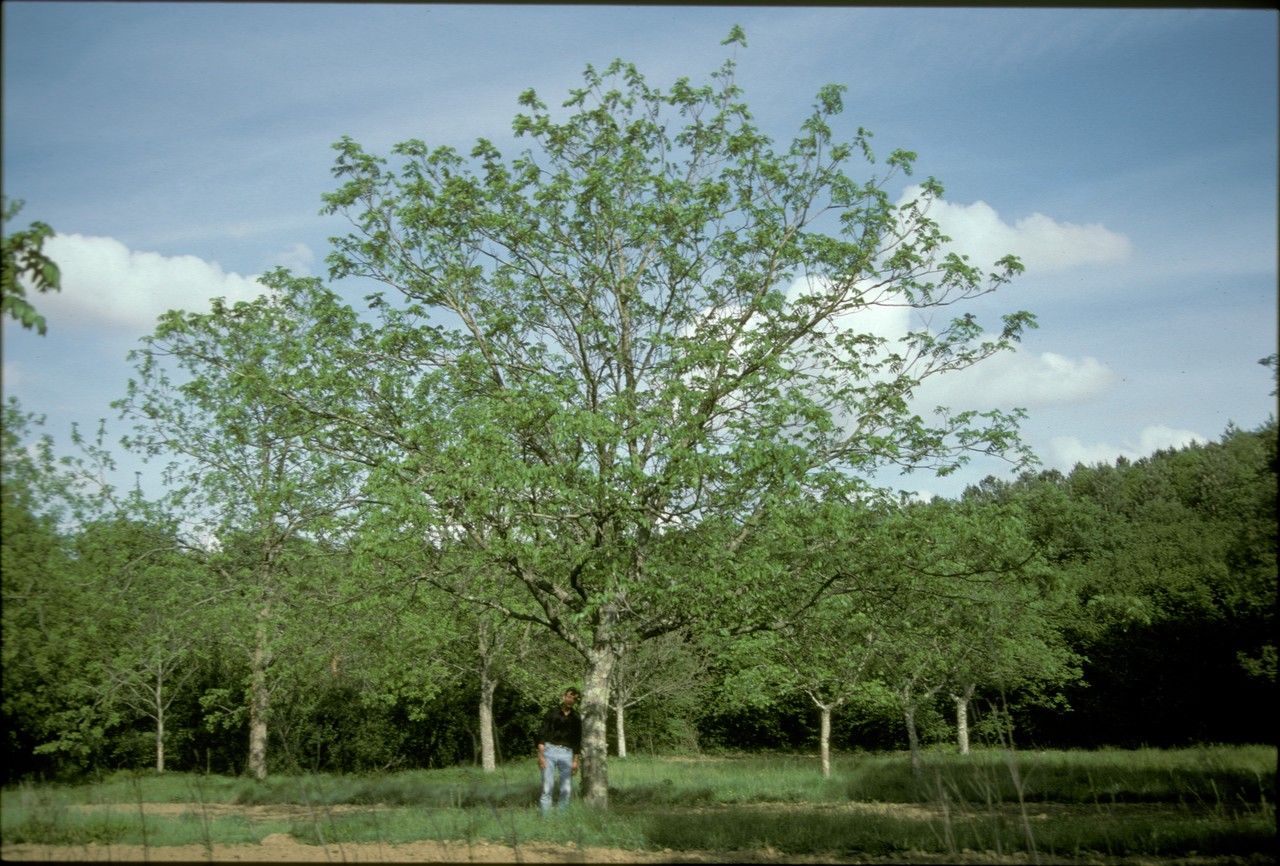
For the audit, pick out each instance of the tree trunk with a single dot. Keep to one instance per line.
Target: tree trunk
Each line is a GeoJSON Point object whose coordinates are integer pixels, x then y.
{"type": "Point", "coordinates": [488, 685]}
{"type": "Point", "coordinates": [619, 728]}
{"type": "Point", "coordinates": [160, 743]}
{"type": "Point", "coordinates": [259, 703]}
{"type": "Point", "coordinates": [595, 732]}
{"type": "Point", "coordinates": [913, 739]}
{"type": "Point", "coordinates": [824, 740]}
{"type": "Point", "coordinates": [962, 717]}
{"type": "Point", "coordinates": [159, 705]}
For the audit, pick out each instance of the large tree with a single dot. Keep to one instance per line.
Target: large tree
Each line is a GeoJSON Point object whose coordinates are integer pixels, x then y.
{"type": "Point", "coordinates": [620, 351]}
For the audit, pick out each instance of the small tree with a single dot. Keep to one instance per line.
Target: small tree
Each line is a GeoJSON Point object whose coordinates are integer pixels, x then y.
{"type": "Point", "coordinates": [144, 585]}
{"type": "Point", "coordinates": [831, 650]}
{"type": "Point", "coordinates": [665, 667]}
{"type": "Point", "coordinates": [248, 472]}
{"type": "Point", "coordinates": [980, 609]}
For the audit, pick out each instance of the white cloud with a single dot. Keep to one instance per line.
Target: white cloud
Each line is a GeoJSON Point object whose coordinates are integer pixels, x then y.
{"type": "Point", "coordinates": [1042, 243]}
{"type": "Point", "coordinates": [1067, 451]}
{"type": "Point", "coordinates": [104, 283]}
{"type": "Point", "coordinates": [885, 316]}
{"type": "Point", "coordinates": [1008, 379]}
{"type": "Point", "coordinates": [888, 322]}
{"type": "Point", "coordinates": [298, 258]}
{"type": "Point", "coordinates": [1022, 379]}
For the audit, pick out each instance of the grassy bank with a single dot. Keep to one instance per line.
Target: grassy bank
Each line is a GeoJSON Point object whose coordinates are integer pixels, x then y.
{"type": "Point", "coordinates": [1212, 801]}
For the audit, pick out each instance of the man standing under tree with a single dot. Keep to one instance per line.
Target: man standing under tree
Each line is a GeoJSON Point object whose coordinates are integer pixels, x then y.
{"type": "Point", "coordinates": [559, 744]}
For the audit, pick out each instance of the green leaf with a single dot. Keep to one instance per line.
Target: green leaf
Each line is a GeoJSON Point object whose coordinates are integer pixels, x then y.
{"type": "Point", "coordinates": [737, 36]}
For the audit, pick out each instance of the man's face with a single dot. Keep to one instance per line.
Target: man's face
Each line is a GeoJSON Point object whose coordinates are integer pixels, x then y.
{"type": "Point", "coordinates": [568, 699]}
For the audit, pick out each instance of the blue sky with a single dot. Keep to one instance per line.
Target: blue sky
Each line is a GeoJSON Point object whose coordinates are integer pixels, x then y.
{"type": "Point", "coordinates": [1129, 156]}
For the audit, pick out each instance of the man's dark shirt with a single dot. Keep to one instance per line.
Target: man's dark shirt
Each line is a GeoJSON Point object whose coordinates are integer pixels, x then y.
{"type": "Point", "coordinates": [561, 729]}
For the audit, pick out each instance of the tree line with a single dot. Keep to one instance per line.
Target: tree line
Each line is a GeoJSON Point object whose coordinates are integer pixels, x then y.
{"type": "Point", "coordinates": [1116, 605]}
{"type": "Point", "coordinates": [618, 412]}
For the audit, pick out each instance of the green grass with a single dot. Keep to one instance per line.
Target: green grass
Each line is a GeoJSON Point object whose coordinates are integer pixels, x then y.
{"type": "Point", "coordinates": [831, 832]}
{"type": "Point", "coordinates": [64, 824]}
{"type": "Point", "coordinates": [1211, 801]}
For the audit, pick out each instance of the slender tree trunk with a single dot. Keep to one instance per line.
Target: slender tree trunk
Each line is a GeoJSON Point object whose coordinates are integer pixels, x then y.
{"type": "Point", "coordinates": [962, 717]}
{"type": "Point", "coordinates": [160, 742]}
{"type": "Point", "coordinates": [259, 702]}
{"type": "Point", "coordinates": [619, 728]}
{"type": "Point", "coordinates": [159, 705]}
{"type": "Point", "coordinates": [595, 733]}
{"type": "Point", "coordinates": [488, 684]}
{"type": "Point", "coordinates": [913, 738]}
{"type": "Point", "coordinates": [824, 739]}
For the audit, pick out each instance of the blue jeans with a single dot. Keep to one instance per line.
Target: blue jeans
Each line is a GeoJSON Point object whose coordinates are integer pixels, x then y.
{"type": "Point", "coordinates": [559, 761]}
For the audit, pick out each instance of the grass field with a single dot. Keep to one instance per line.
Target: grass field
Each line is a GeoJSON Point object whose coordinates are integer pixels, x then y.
{"type": "Point", "coordinates": [1210, 804]}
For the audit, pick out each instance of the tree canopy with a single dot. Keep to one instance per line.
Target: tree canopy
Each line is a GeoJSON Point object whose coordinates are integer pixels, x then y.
{"type": "Point", "coordinates": [643, 334]}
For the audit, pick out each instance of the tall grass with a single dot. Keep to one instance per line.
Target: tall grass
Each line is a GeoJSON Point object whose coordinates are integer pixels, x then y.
{"type": "Point", "coordinates": [1213, 801]}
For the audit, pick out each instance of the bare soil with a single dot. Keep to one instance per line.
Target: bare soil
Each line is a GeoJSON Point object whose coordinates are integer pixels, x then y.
{"type": "Point", "coordinates": [282, 848]}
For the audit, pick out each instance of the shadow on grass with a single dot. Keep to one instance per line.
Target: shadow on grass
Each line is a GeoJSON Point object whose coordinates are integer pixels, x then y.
{"type": "Point", "coordinates": [664, 793]}
{"type": "Point", "coordinates": [788, 833]}
{"type": "Point", "coordinates": [402, 790]}
{"type": "Point", "coordinates": [1153, 833]}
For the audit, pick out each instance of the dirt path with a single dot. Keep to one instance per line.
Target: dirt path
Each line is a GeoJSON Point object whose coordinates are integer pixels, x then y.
{"type": "Point", "coordinates": [281, 848]}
